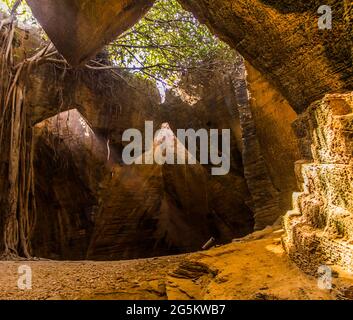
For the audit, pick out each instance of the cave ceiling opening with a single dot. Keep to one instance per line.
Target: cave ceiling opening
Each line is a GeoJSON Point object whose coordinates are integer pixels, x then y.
{"type": "Point", "coordinates": [288, 55]}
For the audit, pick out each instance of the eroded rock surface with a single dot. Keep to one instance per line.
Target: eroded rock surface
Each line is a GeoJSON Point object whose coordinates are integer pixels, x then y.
{"type": "Point", "coordinates": [70, 162]}
{"type": "Point", "coordinates": [110, 105]}
{"type": "Point", "coordinates": [273, 117]}
{"type": "Point", "coordinates": [282, 40]}
{"type": "Point", "coordinates": [319, 228]}
{"type": "Point", "coordinates": [142, 210]}
{"type": "Point", "coordinates": [80, 28]}
{"type": "Point", "coordinates": [146, 208]}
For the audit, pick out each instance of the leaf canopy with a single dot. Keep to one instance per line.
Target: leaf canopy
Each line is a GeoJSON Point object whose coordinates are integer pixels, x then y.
{"type": "Point", "coordinates": [162, 46]}
{"type": "Point", "coordinates": [166, 43]}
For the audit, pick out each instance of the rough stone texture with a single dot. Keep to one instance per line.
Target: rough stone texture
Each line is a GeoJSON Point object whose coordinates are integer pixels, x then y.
{"type": "Point", "coordinates": [282, 40]}
{"type": "Point", "coordinates": [220, 108]}
{"type": "Point", "coordinates": [139, 211]}
{"type": "Point", "coordinates": [319, 228]}
{"type": "Point", "coordinates": [265, 198]}
{"type": "Point", "coordinates": [70, 162]}
{"type": "Point", "coordinates": [80, 28]}
{"type": "Point", "coordinates": [117, 100]}
{"type": "Point", "coordinates": [273, 118]}
{"type": "Point", "coordinates": [147, 207]}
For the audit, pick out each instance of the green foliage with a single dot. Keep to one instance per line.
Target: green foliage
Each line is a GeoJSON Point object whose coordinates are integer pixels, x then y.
{"type": "Point", "coordinates": [8, 4]}
{"type": "Point", "coordinates": [24, 13]}
{"type": "Point", "coordinates": [166, 43]}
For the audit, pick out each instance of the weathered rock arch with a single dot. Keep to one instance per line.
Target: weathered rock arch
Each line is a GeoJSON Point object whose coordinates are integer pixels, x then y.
{"type": "Point", "coordinates": [80, 28]}
{"type": "Point", "coordinates": [281, 40]}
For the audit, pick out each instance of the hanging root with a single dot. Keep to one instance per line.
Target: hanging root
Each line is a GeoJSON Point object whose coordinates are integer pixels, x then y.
{"type": "Point", "coordinates": [17, 194]}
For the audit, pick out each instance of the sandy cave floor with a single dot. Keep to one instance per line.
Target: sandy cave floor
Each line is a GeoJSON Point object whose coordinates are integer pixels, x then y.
{"type": "Point", "coordinates": [250, 269]}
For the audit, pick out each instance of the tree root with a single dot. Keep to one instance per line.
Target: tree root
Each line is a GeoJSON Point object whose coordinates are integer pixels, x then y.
{"type": "Point", "coordinates": [16, 148]}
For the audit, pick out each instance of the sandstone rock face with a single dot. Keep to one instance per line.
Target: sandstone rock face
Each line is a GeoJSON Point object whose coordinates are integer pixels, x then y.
{"type": "Point", "coordinates": [265, 198]}
{"type": "Point", "coordinates": [261, 130]}
{"type": "Point", "coordinates": [138, 211]}
{"type": "Point", "coordinates": [52, 90]}
{"type": "Point", "coordinates": [80, 28]}
{"type": "Point", "coordinates": [273, 118]}
{"type": "Point", "coordinates": [282, 40]}
{"type": "Point", "coordinates": [319, 228]}
{"type": "Point", "coordinates": [147, 207]}
{"type": "Point", "coordinates": [70, 162]}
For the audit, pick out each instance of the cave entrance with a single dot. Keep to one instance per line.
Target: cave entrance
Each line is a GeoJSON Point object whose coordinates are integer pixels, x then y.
{"type": "Point", "coordinates": [167, 68]}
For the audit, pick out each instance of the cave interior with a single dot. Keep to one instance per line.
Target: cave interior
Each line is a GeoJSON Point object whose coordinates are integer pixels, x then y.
{"type": "Point", "coordinates": [286, 95]}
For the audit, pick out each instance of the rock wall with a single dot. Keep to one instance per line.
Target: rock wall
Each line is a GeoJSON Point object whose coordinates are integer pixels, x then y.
{"type": "Point", "coordinates": [160, 207]}
{"type": "Point", "coordinates": [139, 211]}
{"type": "Point", "coordinates": [70, 162]}
{"type": "Point", "coordinates": [319, 228]}
{"type": "Point", "coordinates": [262, 137]}
{"type": "Point", "coordinates": [148, 207]}
{"type": "Point", "coordinates": [282, 40]}
{"type": "Point", "coordinates": [265, 197]}
{"type": "Point", "coordinates": [273, 117]}
{"type": "Point", "coordinates": [80, 28]}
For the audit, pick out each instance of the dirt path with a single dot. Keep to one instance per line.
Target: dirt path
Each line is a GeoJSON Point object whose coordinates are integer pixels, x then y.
{"type": "Point", "coordinates": [251, 269]}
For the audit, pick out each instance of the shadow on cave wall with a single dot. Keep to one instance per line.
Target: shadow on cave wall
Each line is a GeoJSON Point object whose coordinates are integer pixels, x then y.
{"type": "Point", "coordinates": [99, 209]}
